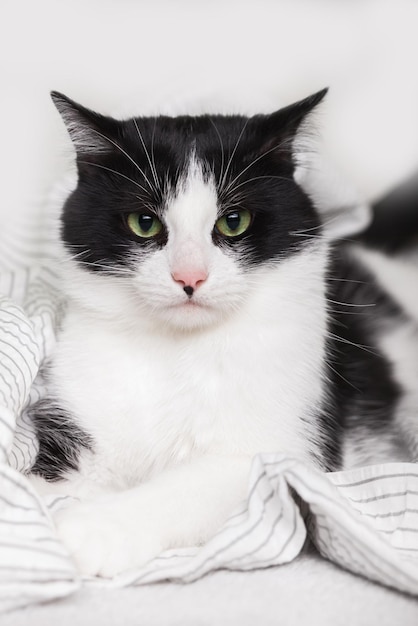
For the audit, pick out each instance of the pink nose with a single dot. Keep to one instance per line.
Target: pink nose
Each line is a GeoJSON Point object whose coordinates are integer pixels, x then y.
{"type": "Point", "coordinates": [190, 279]}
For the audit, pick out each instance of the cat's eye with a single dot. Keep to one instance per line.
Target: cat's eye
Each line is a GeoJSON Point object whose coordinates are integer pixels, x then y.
{"type": "Point", "coordinates": [144, 225]}
{"type": "Point", "coordinates": [234, 223]}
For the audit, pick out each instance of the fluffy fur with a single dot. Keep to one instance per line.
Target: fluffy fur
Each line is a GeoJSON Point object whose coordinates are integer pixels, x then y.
{"type": "Point", "coordinates": [185, 354]}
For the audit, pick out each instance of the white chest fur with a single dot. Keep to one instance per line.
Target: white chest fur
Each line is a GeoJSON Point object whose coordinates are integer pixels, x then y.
{"type": "Point", "coordinates": [151, 397]}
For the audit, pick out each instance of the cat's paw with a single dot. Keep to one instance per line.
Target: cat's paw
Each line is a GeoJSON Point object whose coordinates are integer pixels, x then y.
{"type": "Point", "coordinates": [103, 541]}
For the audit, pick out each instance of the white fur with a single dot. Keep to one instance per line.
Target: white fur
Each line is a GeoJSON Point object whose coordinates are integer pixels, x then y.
{"type": "Point", "coordinates": [165, 386]}
{"type": "Point", "coordinates": [135, 388]}
{"type": "Point", "coordinates": [180, 508]}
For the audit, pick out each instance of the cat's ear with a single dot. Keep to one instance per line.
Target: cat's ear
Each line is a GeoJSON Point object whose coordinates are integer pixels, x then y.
{"type": "Point", "coordinates": [290, 133]}
{"type": "Point", "coordinates": [91, 133]}
{"type": "Point", "coordinates": [283, 132]}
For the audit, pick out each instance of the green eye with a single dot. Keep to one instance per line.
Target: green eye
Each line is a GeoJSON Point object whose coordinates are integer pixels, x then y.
{"type": "Point", "coordinates": [234, 223]}
{"type": "Point", "coordinates": [144, 225]}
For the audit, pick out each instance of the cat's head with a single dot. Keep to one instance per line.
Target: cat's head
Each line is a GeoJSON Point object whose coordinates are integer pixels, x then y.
{"type": "Point", "coordinates": [177, 219]}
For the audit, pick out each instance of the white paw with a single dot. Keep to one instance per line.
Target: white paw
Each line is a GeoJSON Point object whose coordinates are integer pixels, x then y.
{"type": "Point", "coordinates": [105, 539]}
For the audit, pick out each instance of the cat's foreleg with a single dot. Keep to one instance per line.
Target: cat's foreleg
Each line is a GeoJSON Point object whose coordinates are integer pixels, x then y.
{"type": "Point", "coordinates": [74, 485]}
{"type": "Point", "coordinates": [183, 506]}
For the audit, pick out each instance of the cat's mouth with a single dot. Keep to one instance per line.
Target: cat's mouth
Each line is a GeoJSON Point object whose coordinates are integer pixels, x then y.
{"type": "Point", "coordinates": [192, 313]}
{"type": "Point", "coordinates": [190, 304]}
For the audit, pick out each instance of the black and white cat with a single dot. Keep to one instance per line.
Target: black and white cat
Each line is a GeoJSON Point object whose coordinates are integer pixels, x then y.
{"type": "Point", "coordinates": [209, 319]}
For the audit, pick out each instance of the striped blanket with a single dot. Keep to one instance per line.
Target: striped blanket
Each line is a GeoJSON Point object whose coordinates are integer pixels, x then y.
{"type": "Point", "coordinates": [365, 520]}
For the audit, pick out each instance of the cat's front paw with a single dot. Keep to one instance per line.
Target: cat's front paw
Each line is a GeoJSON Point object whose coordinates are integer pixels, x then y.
{"type": "Point", "coordinates": [103, 540]}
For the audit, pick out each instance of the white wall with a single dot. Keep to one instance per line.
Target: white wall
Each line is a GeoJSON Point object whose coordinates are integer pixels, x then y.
{"type": "Point", "coordinates": [128, 56]}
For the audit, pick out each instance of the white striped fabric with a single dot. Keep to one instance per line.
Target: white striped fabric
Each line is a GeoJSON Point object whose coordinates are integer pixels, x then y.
{"type": "Point", "coordinates": [34, 565]}
{"type": "Point", "coordinates": [365, 520]}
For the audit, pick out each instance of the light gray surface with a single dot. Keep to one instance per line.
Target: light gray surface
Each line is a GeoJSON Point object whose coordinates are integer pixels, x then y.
{"type": "Point", "coordinates": [308, 591]}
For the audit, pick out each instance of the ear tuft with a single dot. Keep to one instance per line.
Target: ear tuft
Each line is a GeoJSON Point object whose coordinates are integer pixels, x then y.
{"type": "Point", "coordinates": [286, 130]}
{"type": "Point", "coordinates": [294, 114]}
{"type": "Point", "coordinates": [88, 130]}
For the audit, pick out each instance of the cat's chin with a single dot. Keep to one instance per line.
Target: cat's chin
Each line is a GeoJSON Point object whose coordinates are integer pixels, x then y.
{"type": "Point", "coordinates": [191, 316]}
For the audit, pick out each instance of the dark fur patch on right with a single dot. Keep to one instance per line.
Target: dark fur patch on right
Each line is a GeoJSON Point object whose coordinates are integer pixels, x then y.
{"type": "Point", "coordinates": [60, 440]}
{"type": "Point", "coordinates": [363, 392]}
{"type": "Point", "coordinates": [394, 228]}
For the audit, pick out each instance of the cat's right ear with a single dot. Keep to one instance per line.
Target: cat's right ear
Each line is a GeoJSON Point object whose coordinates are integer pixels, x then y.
{"type": "Point", "coordinates": [91, 133]}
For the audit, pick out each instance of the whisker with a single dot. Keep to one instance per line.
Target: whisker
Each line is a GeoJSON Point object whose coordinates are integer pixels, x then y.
{"type": "Point", "coordinates": [349, 280]}
{"type": "Point", "coordinates": [335, 320]}
{"type": "Point", "coordinates": [72, 257]}
{"type": "Point", "coordinates": [230, 205]}
{"type": "Point", "coordinates": [325, 236]}
{"type": "Point", "coordinates": [261, 156]}
{"type": "Point", "coordinates": [345, 313]}
{"type": "Point", "coordinates": [109, 169]}
{"type": "Point", "coordinates": [153, 155]}
{"type": "Point", "coordinates": [222, 148]}
{"type": "Point", "coordinates": [101, 263]}
{"type": "Point", "coordinates": [111, 268]}
{"type": "Point", "coordinates": [127, 156]}
{"type": "Point", "coordinates": [250, 180]}
{"type": "Point", "coordinates": [306, 235]}
{"type": "Point", "coordinates": [153, 171]}
{"type": "Point", "coordinates": [307, 230]}
{"type": "Point", "coordinates": [353, 305]}
{"type": "Point", "coordinates": [232, 155]}
{"type": "Point", "coordinates": [327, 363]}
{"type": "Point", "coordinates": [351, 343]}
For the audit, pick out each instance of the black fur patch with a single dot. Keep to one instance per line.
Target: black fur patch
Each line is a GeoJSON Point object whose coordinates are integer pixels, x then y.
{"type": "Point", "coordinates": [362, 391]}
{"type": "Point", "coordinates": [60, 440]}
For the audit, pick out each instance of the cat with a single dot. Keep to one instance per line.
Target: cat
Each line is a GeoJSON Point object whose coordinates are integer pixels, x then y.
{"type": "Point", "coordinates": [212, 314]}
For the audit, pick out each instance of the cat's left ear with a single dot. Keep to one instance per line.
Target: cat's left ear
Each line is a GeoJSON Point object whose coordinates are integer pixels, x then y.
{"type": "Point", "coordinates": [282, 132]}
{"type": "Point", "coordinates": [91, 133]}
{"type": "Point", "coordinates": [290, 134]}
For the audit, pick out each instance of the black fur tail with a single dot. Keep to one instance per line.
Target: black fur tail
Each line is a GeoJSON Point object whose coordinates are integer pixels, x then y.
{"type": "Point", "coordinates": [394, 227]}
